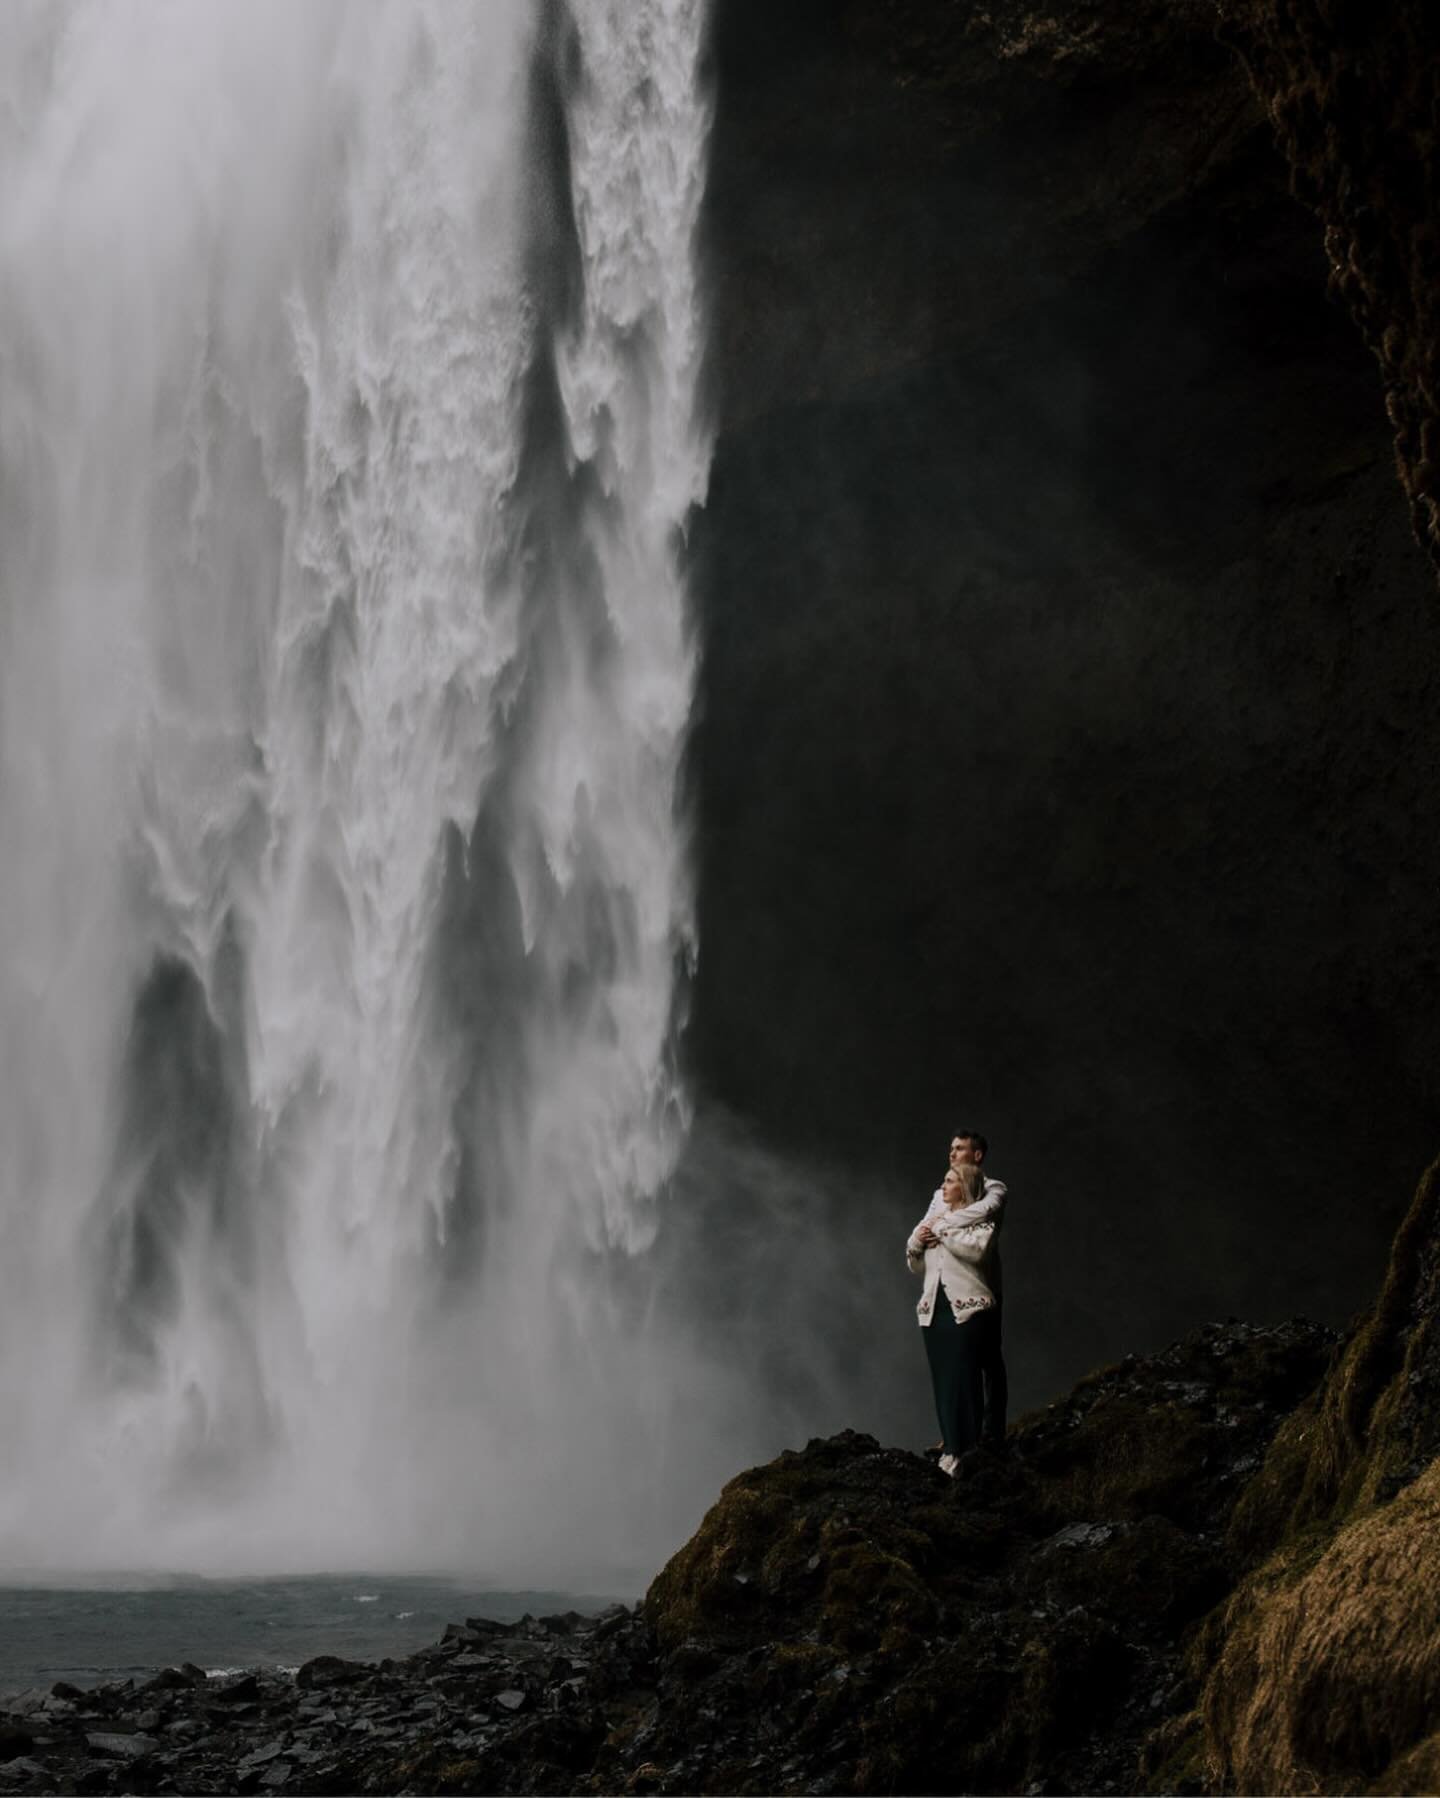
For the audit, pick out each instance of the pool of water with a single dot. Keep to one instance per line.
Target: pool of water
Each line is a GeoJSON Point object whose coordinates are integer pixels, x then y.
{"type": "Point", "coordinates": [104, 1630]}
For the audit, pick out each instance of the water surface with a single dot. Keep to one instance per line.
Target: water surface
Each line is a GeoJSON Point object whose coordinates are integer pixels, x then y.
{"type": "Point", "coordinates": [122, 1629]}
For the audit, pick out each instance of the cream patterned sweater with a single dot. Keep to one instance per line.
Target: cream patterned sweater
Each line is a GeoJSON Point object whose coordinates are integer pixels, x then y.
{"type": "Point", "coordinates": [991, 1204]}
{"type": "Point", "coordinates": [957, 1263]}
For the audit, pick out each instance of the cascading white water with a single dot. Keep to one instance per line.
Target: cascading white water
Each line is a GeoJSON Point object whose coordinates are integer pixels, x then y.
{"type": "Point", "coordinates": [343, 682]}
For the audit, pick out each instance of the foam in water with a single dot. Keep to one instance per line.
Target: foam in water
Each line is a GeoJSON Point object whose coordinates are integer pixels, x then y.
{"type": "Point", "coordinates": [347, 438]}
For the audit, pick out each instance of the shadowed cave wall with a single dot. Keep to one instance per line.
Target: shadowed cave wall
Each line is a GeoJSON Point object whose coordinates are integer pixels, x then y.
{"type": "Point", "coordinates": [1065, 761]}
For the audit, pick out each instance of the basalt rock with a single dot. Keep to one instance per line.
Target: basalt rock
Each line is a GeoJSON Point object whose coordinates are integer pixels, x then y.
{"type": "Point", "coordinates": [328, 1670]}
{"type": "Point", "coordinates": [1020, 1628]}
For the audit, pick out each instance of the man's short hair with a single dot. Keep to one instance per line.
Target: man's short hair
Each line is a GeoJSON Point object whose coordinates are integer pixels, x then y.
{"type": "Point", "coordinates": [974, 1136]}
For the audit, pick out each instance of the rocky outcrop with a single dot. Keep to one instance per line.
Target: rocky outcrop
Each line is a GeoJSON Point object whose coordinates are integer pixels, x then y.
{"type": "Point", "coordinates": [1354, 96]}
{"type": "Point", "coordinates": [878, 1630]}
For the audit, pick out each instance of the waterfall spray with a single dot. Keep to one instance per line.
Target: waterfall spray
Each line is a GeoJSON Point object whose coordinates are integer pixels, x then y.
{"type": "Point", "coordinates": [344, 676]}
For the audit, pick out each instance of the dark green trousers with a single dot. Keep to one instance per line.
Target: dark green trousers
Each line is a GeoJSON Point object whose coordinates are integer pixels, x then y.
{"type": "Point", "coordinates": [958, 1354]}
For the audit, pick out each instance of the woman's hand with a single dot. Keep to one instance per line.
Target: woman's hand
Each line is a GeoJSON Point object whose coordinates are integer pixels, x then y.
{"type": "Point", "coordinates": [926, 1237]}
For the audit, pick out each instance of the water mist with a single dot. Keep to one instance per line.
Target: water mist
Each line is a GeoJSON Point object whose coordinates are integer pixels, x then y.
{"type": "Point", "coordinates": [347, 441]}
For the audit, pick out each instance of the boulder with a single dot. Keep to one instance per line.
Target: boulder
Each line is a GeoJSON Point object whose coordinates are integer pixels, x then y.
{"type": "Point", "coordinates": [330, 1670]}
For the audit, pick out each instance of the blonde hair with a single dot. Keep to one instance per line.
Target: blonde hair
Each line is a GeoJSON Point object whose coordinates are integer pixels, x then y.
{"type": "Point", "coordinates": [972, 1181]}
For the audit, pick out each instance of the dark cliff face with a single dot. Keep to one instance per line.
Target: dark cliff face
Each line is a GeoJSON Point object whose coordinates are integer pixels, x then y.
{"type": "Point", "coordinates": [1065, 762]}
{"type": "Point", "coordinates": [1354, 96]}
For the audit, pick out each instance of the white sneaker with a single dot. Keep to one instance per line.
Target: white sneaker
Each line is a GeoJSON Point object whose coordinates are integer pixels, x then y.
{"type": "Point", "coordinates": [948, 1464]}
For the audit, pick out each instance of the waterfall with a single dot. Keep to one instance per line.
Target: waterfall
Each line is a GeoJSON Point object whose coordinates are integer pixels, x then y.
{"type": "Point", "coordinates": [348, 436]}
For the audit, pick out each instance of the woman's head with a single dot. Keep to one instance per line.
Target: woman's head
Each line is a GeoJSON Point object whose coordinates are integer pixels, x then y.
{"type": "Point", "coordinates": [963, 1185]}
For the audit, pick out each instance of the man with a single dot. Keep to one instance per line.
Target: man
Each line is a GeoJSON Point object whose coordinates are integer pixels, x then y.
{"type": "Point", "coordinates": [970, 1146]}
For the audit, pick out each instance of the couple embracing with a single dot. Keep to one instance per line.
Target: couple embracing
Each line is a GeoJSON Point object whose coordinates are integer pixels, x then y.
{"type": "Point", "coordinates": [956, 1247]}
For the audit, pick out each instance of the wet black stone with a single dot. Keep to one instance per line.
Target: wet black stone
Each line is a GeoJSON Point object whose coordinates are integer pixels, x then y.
{"type": "Point", "coordinates": [176, 1679]}
{"type": "Point", "coordinates": [330, 1670]}
{"type": "Point", "coordinates": [243, 1690]}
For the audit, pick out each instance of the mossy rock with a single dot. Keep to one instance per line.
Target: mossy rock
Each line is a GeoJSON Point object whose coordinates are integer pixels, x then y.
{"type": "Point", "coordinates": [1320, 1671]}
{"type": "Point", "coordinates": [1172, 1435]}
{"type": "Point", "coordinates": [1329, 1679]}
{"type": "Point", "coordinates": [844, 1540]}
{"type": "Point", "coordinates": [1153, 1573]}
{"type": "Point", "coordinates": [1374, 1424]}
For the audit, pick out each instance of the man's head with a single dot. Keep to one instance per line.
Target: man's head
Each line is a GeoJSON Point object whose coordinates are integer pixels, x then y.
{"type": "Point", "coordinates": [967, 1148]}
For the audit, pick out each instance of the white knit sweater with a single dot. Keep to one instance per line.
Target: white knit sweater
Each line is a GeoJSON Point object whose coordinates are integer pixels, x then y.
{"type": "Point", "coordinates": [957, 1262]}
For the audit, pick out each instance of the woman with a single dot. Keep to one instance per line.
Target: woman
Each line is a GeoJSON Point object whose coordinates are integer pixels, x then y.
{"type": "Point", "coordinates": [951, 1248]}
